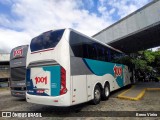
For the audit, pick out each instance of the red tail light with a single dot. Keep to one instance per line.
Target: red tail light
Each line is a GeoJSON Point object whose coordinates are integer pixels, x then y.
{"type": "Point", "coordinates": [63, 81]}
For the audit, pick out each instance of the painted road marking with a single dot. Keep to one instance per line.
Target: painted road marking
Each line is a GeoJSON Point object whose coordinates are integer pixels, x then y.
{"type": "Point", "coordinates": [138, 97]}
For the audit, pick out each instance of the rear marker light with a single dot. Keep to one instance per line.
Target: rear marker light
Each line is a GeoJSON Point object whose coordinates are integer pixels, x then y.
{"type": "Point", "coordinates": [63, 81]}
{"type": "Point", "coordinates": [55, 100]}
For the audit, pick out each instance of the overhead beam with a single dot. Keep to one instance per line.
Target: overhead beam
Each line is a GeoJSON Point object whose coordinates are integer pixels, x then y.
{"type": "Point", "coordinates": [137, 31]}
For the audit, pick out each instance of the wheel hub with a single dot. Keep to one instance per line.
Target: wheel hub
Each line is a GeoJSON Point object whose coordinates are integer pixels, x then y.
{"type": "Point", "coordinates": [106, 91]}
{"type": "Point", "coordinates": [97, 94]}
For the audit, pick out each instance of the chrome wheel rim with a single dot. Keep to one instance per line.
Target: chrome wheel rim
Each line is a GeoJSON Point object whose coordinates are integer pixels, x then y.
{"type": "Point", "coordinates": [97, 94]}
{"type": "Point", "coordinates": [106, 91]}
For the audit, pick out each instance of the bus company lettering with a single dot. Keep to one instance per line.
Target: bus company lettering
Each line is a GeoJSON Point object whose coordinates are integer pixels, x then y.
{"type": "Point", "coordinates": [18, 52]}
{"type": "Point", "coordinates": [41, 80]}
{"type": "Point", "coordinates": [117, 70]}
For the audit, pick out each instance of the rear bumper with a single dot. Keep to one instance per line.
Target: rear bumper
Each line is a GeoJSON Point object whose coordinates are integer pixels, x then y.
{"type": "Point", "coordinates": [48, 100]}
{"type": "Point", "coordinates": [17, 93]}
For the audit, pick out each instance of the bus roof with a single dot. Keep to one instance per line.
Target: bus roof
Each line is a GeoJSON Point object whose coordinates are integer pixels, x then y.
{"type": "Point", "coordinates": [19, 47]}
{"type": "Point", "coordinates": [85, 36]}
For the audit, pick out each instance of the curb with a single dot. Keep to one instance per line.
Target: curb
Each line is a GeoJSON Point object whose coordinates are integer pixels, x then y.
{"type": "Point", "coordinates": [138, 97]}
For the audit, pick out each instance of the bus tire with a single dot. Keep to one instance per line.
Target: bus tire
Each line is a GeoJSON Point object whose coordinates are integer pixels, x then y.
{"type": "Point", "coordinates": [97, 95]}
{"type": "Point", "coordinates": [106, 92]}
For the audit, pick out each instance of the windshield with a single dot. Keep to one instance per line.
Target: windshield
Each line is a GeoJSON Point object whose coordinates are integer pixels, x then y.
{"type": "Point", "coordinates": [46, 40]}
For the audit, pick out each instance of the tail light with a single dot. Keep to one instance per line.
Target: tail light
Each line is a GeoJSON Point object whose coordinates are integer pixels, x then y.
{"type": "Point", "coordinates": [63, 81]}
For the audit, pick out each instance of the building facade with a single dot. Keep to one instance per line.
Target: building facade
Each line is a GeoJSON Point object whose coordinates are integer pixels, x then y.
{"type": "Point", "coordinates": [4, 69]}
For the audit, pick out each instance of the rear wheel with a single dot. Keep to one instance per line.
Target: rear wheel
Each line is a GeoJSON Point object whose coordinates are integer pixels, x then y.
{"type": "Point", "coordinates": [106, 92]}
{"type": "Point", "coordinates": [97, 95]}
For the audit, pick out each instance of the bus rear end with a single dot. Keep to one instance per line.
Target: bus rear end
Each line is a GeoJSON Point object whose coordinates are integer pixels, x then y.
{"type": "Point", "coordinates": [18, 71]}
{"type": "Point", "coordinates": [47, 70]}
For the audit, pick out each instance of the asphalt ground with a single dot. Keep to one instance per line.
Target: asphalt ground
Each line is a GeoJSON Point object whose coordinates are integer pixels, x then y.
{"type": "Point", "coordinates": [149, 102]}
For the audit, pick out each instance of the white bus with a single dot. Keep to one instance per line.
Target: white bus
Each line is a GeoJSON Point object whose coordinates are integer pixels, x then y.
{"type": "Point", "coordinates": [65, 68]}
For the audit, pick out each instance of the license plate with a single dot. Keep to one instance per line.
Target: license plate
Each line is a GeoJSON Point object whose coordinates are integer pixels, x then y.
{"type": "Point", "coordinates": [40, 91]}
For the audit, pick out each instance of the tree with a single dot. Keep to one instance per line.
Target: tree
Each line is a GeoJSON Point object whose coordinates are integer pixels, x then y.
{"type": "Point", "coordinates": [157, 61]}
{"type": "Point", "coordinates": [147, 60]}
{"type": "Point", "coordinates": [149, 56]}
{"type": "Point", "coordinates": [140, 64]}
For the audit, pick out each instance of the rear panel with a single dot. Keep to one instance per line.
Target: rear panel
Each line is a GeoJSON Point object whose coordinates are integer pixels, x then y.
{"type": "Point", "coordinates": [44, 81]}
{"type": "Point", "coordinates": [48, 69]}
{"type": "Point", "coordinates": [18, 70]}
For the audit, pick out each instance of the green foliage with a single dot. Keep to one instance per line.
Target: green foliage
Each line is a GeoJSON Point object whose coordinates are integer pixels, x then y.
{"type": "Point", "coordinates": [149, 68]}
{"type": "Point", "coordinates": [140, 64]}
{"type": "Point", "coordinates": [157, 53]}
{"type": "Point", "coordinates": [158, 69]}
{"type": "Point", "coordinates": [147, 60]}
{"type": "Point", "coordinates": [157, 58]}
{"type": "Point", "coordinates": [140, 52]}
{"type": "Point", "coordinates": [149, 56]}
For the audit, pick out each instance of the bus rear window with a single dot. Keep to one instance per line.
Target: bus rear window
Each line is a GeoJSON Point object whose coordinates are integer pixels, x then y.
{"type": "Point", "coordinates": [46, 40]}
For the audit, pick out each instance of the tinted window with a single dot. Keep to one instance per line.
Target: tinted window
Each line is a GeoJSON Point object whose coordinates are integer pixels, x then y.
{"type": "Point", "coordinates": [86, 48]}
{"type": "Point", "coordinates": [18, 73]}
{"type": "Point", "coordinates": [46, 40]}
{"type": "Point", "coordinates": [115, 56]}
{"type": "Point", "coordinates": [81, 46]}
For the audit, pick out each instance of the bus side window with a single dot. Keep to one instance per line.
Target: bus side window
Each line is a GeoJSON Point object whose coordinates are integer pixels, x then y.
{"type": "Point", "coordinates": [109, 55]}
{"type": "Point", "coordinates": [106, 53]}
{"type": "Point", "coordinates": [113, 56]}
{"type": "Point", "coordinates": [85, 51]}
{"type": "Point", "coordinates": [95, 56]}
{"type": "Point", "coordinates": [88, 51]}
{"type": "Point", "coordinates": [100, 53]}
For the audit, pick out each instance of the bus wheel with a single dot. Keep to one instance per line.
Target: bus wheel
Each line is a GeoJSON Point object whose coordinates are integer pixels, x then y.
{"type": "Point", "coordinates": [106, 92]}
{"type": "Point", "coordinates": [97, 95]}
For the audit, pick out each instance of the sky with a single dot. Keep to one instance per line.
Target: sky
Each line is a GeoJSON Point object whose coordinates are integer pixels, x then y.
{"type": "Point", "coordinates": [21, 20]}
